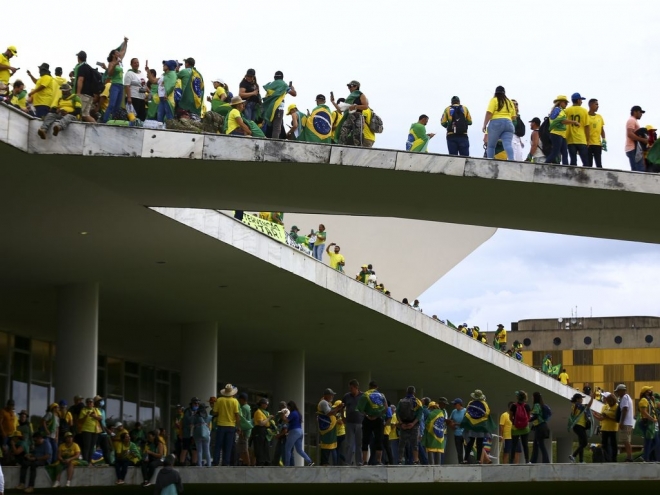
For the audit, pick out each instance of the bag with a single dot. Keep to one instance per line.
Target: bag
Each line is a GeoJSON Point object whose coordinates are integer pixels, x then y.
{"type": "Point", "coordinates": [521, 418]}
{"type": "Point", "coordinates": [130, 111]}
{"type": "Point", "coordinates": [406, 410]}
{"type": "Point", "coordinates": [376, 123]}
{"type": "Point", "coordinates": [459, 123]}
{"type": "Point", "coordinates": [246, 424]}
{"type": "Point", "coordinates": [97, 81]}
{"type": "Point", "coordinates": [519, 127]}
{"type": "Point", "coordinates": [546, 412]}
{"type": "Point", "coordinates": [617, 414]}
{"type": "Point", "coordinates": [544, 137]}
{"type": "Point", "coordinates": [598, 455]}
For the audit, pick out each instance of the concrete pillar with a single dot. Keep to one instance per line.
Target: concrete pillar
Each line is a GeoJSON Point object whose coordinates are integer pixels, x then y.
{"type": "Point", "coordinates": [564, 449]}
{"type": "Point", "coordinates": [77, 340]}
{"type": "Point", "coordinates": [199, 361]}
{"type": "Point", "coordinates": [495, 447]}
{"type": "Point", "coordinates": [289, 384]}
{"type": "Point", "coordinates": [450, 448]}
{"type": "Point", "coordinates": [363, 378]}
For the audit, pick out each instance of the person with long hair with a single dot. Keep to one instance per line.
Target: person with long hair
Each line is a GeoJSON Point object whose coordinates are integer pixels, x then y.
{"type": "Point", "coordinates": [558, 122]}
{"type": "Point", "coordinates": [520, 431]}
{"type": "Point", "coordinates": [648, 421]}
{"type": "Point", "coordinates": [152, 456]}
{"type": "Point", "coordinates": [580, 422]}
{"type": "Point", "coordinates": [499, 123]}
{"type": "Point", "coordinates": [540, 428]}
{"type": "Point", "coordinates": [295, 437]}
{"type": "Point", "coordinates": [608, 427]}
{"type": "Point", "coordinates": [115, 74]}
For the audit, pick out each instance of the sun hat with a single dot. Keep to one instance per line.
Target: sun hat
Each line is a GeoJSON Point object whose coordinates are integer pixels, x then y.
{"type": "Point", "coordinates": [291, 107]}
{"type": "Point", "coordinates": [236, 100]}
{"type": "Point", "coordinates": [53, 406]}
{"type": "Point", "coordinates": [218, 79]}
{"type": "Point", "coordinates": [560, 98]}
{"type": "Point", "coordinates": [646, 389]}
{"type": "Point", "coordinates": [478, 395]}
{"type": "Point", "coordinates": [65, 87]}
{"type": "Point", "coordinates": [229, 390]}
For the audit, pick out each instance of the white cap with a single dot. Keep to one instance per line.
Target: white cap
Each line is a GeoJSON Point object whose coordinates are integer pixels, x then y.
{"type": "Point", "coordinates": [218, 79]}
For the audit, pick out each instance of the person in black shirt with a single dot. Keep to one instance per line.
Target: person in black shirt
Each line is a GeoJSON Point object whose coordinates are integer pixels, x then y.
{"type": "Point", "coordinates": [168, 476]}
{"type": "Point", "coordinates": [249, 91]}
{"type": "Point", "coordinates": [84, 86]}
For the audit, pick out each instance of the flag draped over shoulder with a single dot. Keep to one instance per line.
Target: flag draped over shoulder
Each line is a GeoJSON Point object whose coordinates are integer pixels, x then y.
{"type": "Point", "coordinates": [418, 140]}
{"type": "Point", "coordinates": [653, 155]}
{"type": "Point", "coordinates": [318, 126]}
{"type": "Point", "coordinates": [478, 417]}
{"type": "Point", "coordinates": [555, 370]}
{"type": "Point", "coordinates": [349, 100]}
{"type": "Point", "coordinates": [434, 431]}
{"type": "Point", "coordinates": [327, 430]}
{"type": "Point", "coordinates": [192, 90]}
{"type": "Point", "coordinates": [275, 93]}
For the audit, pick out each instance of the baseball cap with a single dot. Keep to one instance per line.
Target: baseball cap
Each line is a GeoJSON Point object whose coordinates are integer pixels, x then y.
{"type": "Point", "coordinates": [82, 55]}
{"type": "Point", "coordinates": [637, 108]}
{"type": "Point", "coordinates": [279, 75]}
{"type": "Point", "coordinates": [651, 127]}
{"type": "Point", "coordinates": [354, 83]}
{"type": "Point", "coordinates": [500, 89]}
{"type": "Point", "coordinates": [295, 228]}
{"type": "Point", "coordinates": [620, 386]}
{"type": "Point", "coordinates": [457, 400]}
{"type": "Point", "coordinates": [250, 72]}
{"type": "Point", "coordinates": [243, 396]}
{"type": "Point", "coordinates": [577, 96]}
{"type": "Point", "coordinates": [320, 97]}
{"type": "Point", "coordinates": [190, 61]}
{"type": "Point", "coordinates": [13, 50]}
{"type": "Point", "coordinates": [218, 79]}
{"type": "Point", "coordinates": [329, 391]}
{"type": "Point", "coordinates": [535, 120]}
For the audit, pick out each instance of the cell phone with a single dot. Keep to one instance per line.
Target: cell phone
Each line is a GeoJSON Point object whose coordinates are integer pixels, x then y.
{"type": "Point", "coordinates": [100, 64]}
{"type": "Point", "coordinates": [290, 83]}
{"type": "Point", "coordinates": [332, 95]}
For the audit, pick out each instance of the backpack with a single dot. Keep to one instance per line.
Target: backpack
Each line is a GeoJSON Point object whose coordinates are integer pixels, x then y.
{"type": "Point", "coordinates": [406, 409]}
{"type": "Point", "coordinates": [459, 123]}
{"type": "Point", "coordinates": [520, 127]}
{"type": "Point", "coordinates": [97, 81]}
{"type": "Point", "coordinates": [546, 412]}
{"type": "Point", "coordinates": [376, 124]}
{"type": "Point", "coordinates": [521, 418]}
{"type": "Point", "coordinates": [544, 137]}
{"type": "Point", "coordinates": [617, 414]}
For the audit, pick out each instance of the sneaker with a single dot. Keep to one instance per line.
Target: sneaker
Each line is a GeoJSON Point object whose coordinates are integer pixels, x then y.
{"type": "Point", "coordinates": [20, 487]}
{"type": "Point", "coordinates": [571, 458]}
{"type": "Point", "coordinates": [120, 482]}
{"type": "Point", "coordinates": [148, 483]}
{"type": "Point", "coordinates": [311, 464]}
{"type": "Point", "coordinates": [68, 483]}
{"type": "Point", "coordinates": [29, 489]}
{"type": "Point", "coordinates": [56, 484]}
{"type": "Point", "coordinates": [42, 133]}
{"type": "Point", "coordinates": [400, 464]}
{"type": "Point", "coordinates": [56, 130]}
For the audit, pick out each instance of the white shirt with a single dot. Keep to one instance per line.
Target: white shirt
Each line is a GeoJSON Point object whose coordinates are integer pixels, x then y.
{"type": "Point", "coordinates": [629, 419]}
{"type": "Point", "coordinates": [132, 79]}
{"type": "Point", "coordinates": [161, 88]}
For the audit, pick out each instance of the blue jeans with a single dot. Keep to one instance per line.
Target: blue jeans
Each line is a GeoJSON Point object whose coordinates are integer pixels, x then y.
{"type": "Point", "coordinates": [500, 129]}
{"type": "Point", "coordinates": [559, 148]}
{"type": "Point", "coordinates": [53, 445]}
{"type": "Point", "coordinates": [294, 439]}
{"type": "Point", "coordinates": [394, 445]}
{"type": "Point", "coordinates": [581, 149]}
{"type": "Point", "coordinates": [635, 166]}
{"type": "Point", "coordinates": [458, 145]}
{"type": "Point", "coordinates": [224, 440]}
{"type": "Point", "coordinates": [40, 111]}
{"type": "Point", "coordinates": [202, 446]}
{"type": "Point", "coordinates": [115, 100]}
{"type": "Point", "coordinates": [249, 110]}
{"type": "Point", "coordinates": [318, 252]}
{"type": "Point", "coordinates": [164, 110]}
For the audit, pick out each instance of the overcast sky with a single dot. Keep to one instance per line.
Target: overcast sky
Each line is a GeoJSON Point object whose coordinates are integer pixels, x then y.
{"type": "Point", "coordinates": [411, 58]}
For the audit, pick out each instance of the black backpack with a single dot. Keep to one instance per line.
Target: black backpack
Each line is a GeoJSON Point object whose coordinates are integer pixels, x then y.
{"type": "Point", "coordinates": [617, 413]}
{"type": "Point", "coordinates": [544, 137]}
{"type": "Point", "coordinates": [459, 123]}
{"type": "Point", "coordinates": [520, 127]}
{"type": "Point", "coordinates": [406, 408]}
{"type": "Point", "coordinates": [97, 81]}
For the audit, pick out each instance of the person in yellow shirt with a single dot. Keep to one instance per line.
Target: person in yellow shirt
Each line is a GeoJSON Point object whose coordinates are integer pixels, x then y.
{"type": "Point", "coordinates": [226, 412]}
{"type": "Point", "coordinates": [234, 120]}
{"type": "Point", "coordinates": [506, 437]}
{"type": "Point", "coordinates": [500, 335]}
{"type": "Point", "coordinates": [341, 432]}
{"type": "Point", "coordinates": [337, 261]}
{"type": "Point", "coordinates": [42, 95]}
{"type": "Point", "coordinates": [128, 454]}
{"type": "Point", "coordinates": [577, 136]}
{"type": "Point", "coordinates": [499, 122]}
{"type": "Point", "coordinates": [69, 109]}
{"type": "Point", "coordinates": [596, 143]}
{"type": "Point", "coordinates": [118, 431]}
{"type": "Point", "coordinates": [564, 378]}
{"type": "Point", "coordinates": [68, 454]}
{"type": "Point", "coordinates": [648, 421]}
{"type": "Point", "coordinates": [90, 427]}
{"type": "Point", "coordinates": [580, 424]}
{"type": "Point", "coordinates": [558, 132]}
{"type": "Point", "coordinates": [58, 81]}
{"type": "Point", "coordinates": [19, 95]}
{"type": "Point", "coordinates": [6, 69]}
{"type": "Point", "coordinates": [608, 427]}
{"type": "Point", "coordinates": [368, 137]}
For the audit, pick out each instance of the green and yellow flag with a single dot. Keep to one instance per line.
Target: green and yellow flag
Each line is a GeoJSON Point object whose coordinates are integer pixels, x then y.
{"type": "Point", "coordinates": [318, 127]}
{"type": "Point", "coordinates": [192, 90]}
{"type": "Point", "coordinates": [349, 100]}
{"type": "Point", "coordinates": [418, 140]}
{"type": "Point", "coordinates": [478, 417]}
{"type": "Point", "coordinates": [451, 325]}
{"type": "Point", "coordinates": [275, 93]}
{"type": "Point", "coordinates": [434, 431]}
{"type": "Point", "coordinates": [555, 370]}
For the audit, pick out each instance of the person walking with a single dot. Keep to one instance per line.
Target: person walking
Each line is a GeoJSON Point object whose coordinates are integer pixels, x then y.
{"type": "Point", "coordinates": [499, 123]}
{"type": "Point", "coordinates": [580, 423]}
{"type": "Point", "coordinates": [295, 437]}
{"type": "Point", "coordinates": [540, 427]}
{"type": "Point", "coordinates": [609, 427]}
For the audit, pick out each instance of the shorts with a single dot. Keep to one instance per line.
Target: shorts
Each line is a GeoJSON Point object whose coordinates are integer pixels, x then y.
{"type": "Point", "coordinates": [625, 433]}
{"type": "Point", "coordinates": [86, 104]}
{"type": "Point", "coordinates": [507, 446]}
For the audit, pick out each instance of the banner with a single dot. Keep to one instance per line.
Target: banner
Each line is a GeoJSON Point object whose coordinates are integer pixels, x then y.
{"type": "Point", "coordinates": [272, 230]}
{"type": "Point", "coordinates": [300, 247]}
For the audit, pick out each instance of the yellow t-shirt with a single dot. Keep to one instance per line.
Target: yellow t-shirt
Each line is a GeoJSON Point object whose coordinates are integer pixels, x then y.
{"type": "Point", "coordinates": [596, 124]}
{"type": "Point", "coordinates": [507, 111]}
{"type": "Point", "coordinates": [644, 404]}
{"type": "Point", "coordinates": [4, 74]}
{"type": "Point", "coordinates": [394, 434]}
{"type": "Point", "coordinates": [89, 424]}
{"type": "Point", "coordinates": [366, 132]}
{"type": "Point", "coordinates": [609, 422]}
{"type": "Point", "coordinates": [67, 452]}
{"type": "Point", "coordinates": [45, 96]}
{"type": "Point", "coordinates": [116, 440]}
{"type": "Point", "coordinates": [582, 420]}
{"type": "Point", "coordinates": [501, 336]}
{"type": "Point", "coordinates": [563, 378]}
{"type": "Point", "coordinates": [57, 92]}
{"type": "Point", "coordinates": [119, 450]}
{"type": "Point", "coordinates": [259, 417]}
{"type": "Point", "coordinates": [225, 411]}
{"type": "Point", "coordinates": [335, 259]}
{"type": "Point", "coordinates": [506, 424]}
{"type": "Point", "coordinates": [575, 134]}
{"type": "Point", "coordinates": [162, 440]}
{"type": "Point", "coordinates": [218, 93]}
{"type": "Point", "coordinates": [232, 123]}
{"type": "Point", "coordinates": [106, 93]}
{"type": "Point", "coordinates": [20, 100]}
{"type": "Point", "coordinates": [341, 427]}
{"type": "Point", "coordinates": [70, 104]}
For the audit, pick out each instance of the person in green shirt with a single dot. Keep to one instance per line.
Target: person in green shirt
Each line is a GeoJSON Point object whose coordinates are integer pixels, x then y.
{"type": "Point", "coordinates": [192, 88]}
{"type": "Point", "coordinates": [244, 431]}
{"type": "Point", "coordinates": [418, 139]}
{"type": "Point", "coordinates": [373, 405]}
{"type": "Point", "coordinates": [115, 73]}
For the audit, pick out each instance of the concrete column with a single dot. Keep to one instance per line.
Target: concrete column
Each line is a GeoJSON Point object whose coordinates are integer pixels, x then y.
{"type": "Point", "coordinates": [199, 361]}
{"type": "Point", "coordinates": [450, 448]}
{"type": "Point", "coordinates": [495, 447]}
{"type": "Point", "coordinates": [289, 384]}
{"type": "Point", "coordinates": [363, 378]}
{"type": "Point", "coordinates": [77, 340]}
{"type": "Point", "coordinates": [564, 449]}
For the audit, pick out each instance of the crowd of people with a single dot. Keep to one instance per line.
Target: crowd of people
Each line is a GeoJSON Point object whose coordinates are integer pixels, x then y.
{"type": "Point", "coordinates": [176, 99]}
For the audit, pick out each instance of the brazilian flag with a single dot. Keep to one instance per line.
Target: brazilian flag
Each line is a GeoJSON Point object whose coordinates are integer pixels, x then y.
{"type": "Point", "coordinates": [192, 90]}
{"type": "Point", "coordinates": [547, 364]}
{"type": "Point", "coordinates": [555, 370]}
{"type": "Point", "coordinates": [275, 93]}
{"type": "Point", "coordinates": [418, 140]}
{"type": "Point", "coordinates": [318, 127]}
{"type": "Point", "coordinates": [434, 431]}
{"type": "Point", "coordinates": [478, 418]}
{"type": "Point", "coordinates": [327, 430]}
